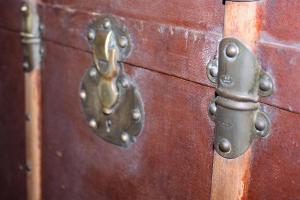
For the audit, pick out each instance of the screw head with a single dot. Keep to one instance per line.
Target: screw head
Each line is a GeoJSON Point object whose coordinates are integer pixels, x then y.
{"type": "Point", "coordinates": [123, 41]}
{"type": "Point", "coordinates": [91, 35]}
{"type": "Point", "coordinates": [24, 8]}
{"type": "Point", "coordinates": [25, 65]}
{"type": "Point", "coordinates": [232, 50]}
{"type": "Point", "coordinates": [212, 108]}
{"type": "Point", "coordinates": [260, 123]}
{"type": "Point", "coordinates": [93, 123]}
{"type": "Point", "coordinates": [125, 137]}
{"type": "Point", "coordinates": [93, 73]}
{"type": "Point", "coordinates": [136, 115]}
{"type": "Point", "coordinates": [225, 146]}
{"type": "Point", "coordinates": [124, 82]}
{"type": "Point", "coordinates": [265, 83]}
{"type": "Point", "coordinates": [82, 95]}
{"type": "Point", "coordinates": [213, 71]}
{"type": "Point", "coordinates": [106, 23]}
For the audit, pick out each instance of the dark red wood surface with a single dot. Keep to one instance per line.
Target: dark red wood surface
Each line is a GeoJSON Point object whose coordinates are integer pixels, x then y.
{"type": "Point", "coordinates": [12, 124]}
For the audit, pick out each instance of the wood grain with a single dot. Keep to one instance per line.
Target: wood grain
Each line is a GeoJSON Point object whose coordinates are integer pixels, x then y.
{"type": "Point", "coordinates": [230, 178]}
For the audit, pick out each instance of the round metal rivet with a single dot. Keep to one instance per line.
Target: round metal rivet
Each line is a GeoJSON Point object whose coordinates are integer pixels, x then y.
{"type": "Point", "coordinates": [93, 73]}
{"type": "Point", "coordinates": [124, 82]}
{"type": "Point", "coordinates": [24, 8]}
{"type": "Point", "coordinates": [225, 146]}
{"type": "Point", "coordinates": [260, 123]}
{"type": "Point", "coordinates": [231, 50]}
{"type": "Point", "coordinates": [91, 35]}
{"type": "Point", "coordinates": [125, 137]}
{"type": "Point", "coordinates": [123, 41]}
{"type": "Point", "coordinates": [213, 71]}
{"type": "Point", "coordinates": [106, 23]}
{"type": "Point", "coordinates": [25, 65]}
{"type": "Point", "coordinates": [212, 108]}
{"type": "Point", "coordinates": [136, 115]}
{"type": "Point", "coordinates": [82, 95]}
{"type": "Point", "coordinates": [93, 123]}
{"type": "Point", "coordinates": [265, 84]}
{"type": "Point", "coordinates": [42, 51]}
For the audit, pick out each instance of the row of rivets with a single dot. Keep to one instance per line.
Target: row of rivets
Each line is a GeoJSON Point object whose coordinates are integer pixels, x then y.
{"type": "Point", "coordinates": [122, 40]}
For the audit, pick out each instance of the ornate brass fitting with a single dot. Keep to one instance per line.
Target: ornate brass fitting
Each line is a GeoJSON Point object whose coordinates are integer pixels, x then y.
{"type": "Point", "coordinates": [111, 101]}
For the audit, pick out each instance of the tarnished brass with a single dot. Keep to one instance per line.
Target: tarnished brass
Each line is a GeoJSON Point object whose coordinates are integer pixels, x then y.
{"type": "Point", "coordinates": [235, 109]}
{"type": "Point", "coordinates": [110, 100]}
{"type": "Point", "coordinates": [31, 37]}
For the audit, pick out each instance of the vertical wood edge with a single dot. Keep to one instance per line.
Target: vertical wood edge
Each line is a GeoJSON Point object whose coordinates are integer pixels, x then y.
{"type": "Point", "coordinates": [230, 178]}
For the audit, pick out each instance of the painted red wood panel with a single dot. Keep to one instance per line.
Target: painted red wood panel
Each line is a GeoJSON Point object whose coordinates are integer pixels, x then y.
{"type": "Point", "coordinates": [172, 158]}
{"type": "Point", "coordinates": [12, 124]}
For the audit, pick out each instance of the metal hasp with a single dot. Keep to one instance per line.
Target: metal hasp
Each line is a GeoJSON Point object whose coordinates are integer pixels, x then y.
{"type": "Point", "coordinates": [235, 108]}
{"type": "Point", "coordinates": [31, 37]}
{"type": "Point", "coordinates": [110, 99]}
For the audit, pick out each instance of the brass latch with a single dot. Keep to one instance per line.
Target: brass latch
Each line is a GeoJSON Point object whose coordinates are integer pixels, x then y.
{"type": "Point", "coordinates": [110, 99]}
{"type": "Point", "coordinates": [236, 110]}
{"type": "Point", "coordinates": [31, 37]}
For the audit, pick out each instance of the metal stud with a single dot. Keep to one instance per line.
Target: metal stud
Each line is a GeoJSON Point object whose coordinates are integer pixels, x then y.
{"type": "Point", "coordinates": [260, 123]}
{"type": "Point", "coordinates": [24, 8]}
{"type": "Point", "coordinates": [93, 73]}
{"type": "Point", "coordinates": [224, 146]}
{"type": "Point", "coordinates": [123, 41]}
{"type": "Point", "coordinates": [93, 123]}
{"type": "Point", "coordinates": [212, 108]}
{"type": "Point", "coordinates": [82, 95]}
{"type": "Point", "coordinates": [124, 82]}
{"type": "Point", "coordinates": [106, 23]}
{"type": "Point", "coordinates": [125, 137]}
{"type": "Point", "coordinates": [232, 50]}
{"type": "Point", "coordinates": [265, 84]}
{"type": "Point", "coordinates": [25, 65]}
{"type": "Point", "coordinates": [213, 71]}
{"type": "Point", "coordinates": [136, 115]}
{"type": "Point", "coordinates": [91, 35]}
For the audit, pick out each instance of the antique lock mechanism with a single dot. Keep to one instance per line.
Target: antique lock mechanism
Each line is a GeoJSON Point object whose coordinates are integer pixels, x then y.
{"type": "Point", "coordinates": [111, 102]}
{"type": "Point", "coordinates": [235, 109]}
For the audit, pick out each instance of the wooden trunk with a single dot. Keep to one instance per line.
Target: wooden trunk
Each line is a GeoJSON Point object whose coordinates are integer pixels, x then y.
{"type": "Point", "coordinates": [173, 157]}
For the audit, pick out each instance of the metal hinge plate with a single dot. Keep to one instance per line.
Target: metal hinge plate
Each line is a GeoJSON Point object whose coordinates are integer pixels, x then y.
{"type": "Point", "coordinates": [235, 109]}
{"type": "Point", "coordinates": [31, 37]}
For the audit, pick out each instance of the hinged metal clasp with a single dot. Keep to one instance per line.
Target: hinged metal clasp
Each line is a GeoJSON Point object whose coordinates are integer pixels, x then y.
{"type": "Point", "coordinates": [110, 100]}
{"type": "Point", "coordinates": [31, 36]}
{"type": "Point", "coordinates": [235, 109]}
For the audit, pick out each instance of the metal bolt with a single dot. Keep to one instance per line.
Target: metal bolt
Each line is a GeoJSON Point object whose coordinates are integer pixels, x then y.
{"type": "Point", "coordinates": [26, 65]}
{"type": "Point", "coordinates": [232, 50]}
{"type": "Point", "coordinates": [124, 82]}
{"type": "Point", "coordinates": [265, 84]}
{"type": "Point", "coordinates": [136, 115]}
{"type": "Point", "coordinates": [225, 146]}
{"type": "Point", "coordinates": [93, 73]}
{"type": "Point", "coordinates": [41, 27]}
{"type": "Point", "coordinates": [24, 8]}
{"type": "Point", "coordinates": [82, 95]}
{"type": "Point", "coordinates": [93, 123]}
{"type": "Point", "coordinates": [125, 137]}
{"type": "Point", "coordinates": [91, 35]}
{"type": "Point", "coordinates": [213, 71]}
{"type": "Point", "coordinates": [42, 51]}
{"type": "Point", "coordinates": [260, 123]}
{"type": "Point", "coordinates": [106, 23]}
{"type": "Point", "coordinates": [212, 108]}
{"type": "Point", "coordinates": [123, 41]}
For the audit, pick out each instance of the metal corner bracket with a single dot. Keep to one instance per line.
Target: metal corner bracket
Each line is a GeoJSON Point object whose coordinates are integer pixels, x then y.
{"type": "Point", "coordinates": [235, 109]}
{"type": "Point", "coordinates": [110, 100]}
{"type": "Point", "coordinates": [31, 36]}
